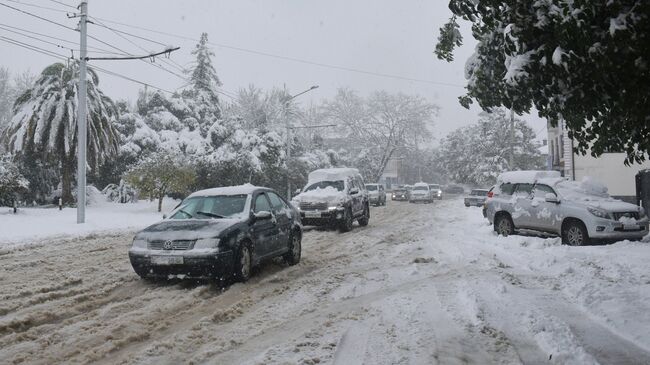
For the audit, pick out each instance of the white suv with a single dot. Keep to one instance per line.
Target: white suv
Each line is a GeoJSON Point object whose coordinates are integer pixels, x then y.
{"type": "Point", "coordinates": [577, 211]}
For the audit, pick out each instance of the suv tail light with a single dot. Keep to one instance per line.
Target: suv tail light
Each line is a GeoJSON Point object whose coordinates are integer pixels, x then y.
{"type": "Point", "coordinates": [490, 194]}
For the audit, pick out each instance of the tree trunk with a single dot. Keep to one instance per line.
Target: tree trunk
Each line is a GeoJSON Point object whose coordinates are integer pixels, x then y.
{"type": "Point", "coordinates": [66, 180]}
{"type": "Point", "coordinates": [160, 200]}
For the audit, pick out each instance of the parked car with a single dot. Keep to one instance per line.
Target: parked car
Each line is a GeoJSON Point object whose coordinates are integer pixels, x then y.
{"type": "Point", "coordinates": [334, 197]}
{"type": "Point", "coordinates": [400, 194]}
{"type": "Point", "coordinates": [489, 195]}
{"type": "Point", "coordinates": [577, 211]}
{"type": "Point", "coordinates": [376, 194]}
{"type": "Point", "coordinates": [454, 189]}
{"type": "Point", "coordinates": [216, 233]}
{"type": "Point", "coordinates": [421, 193]}
{"type": "Point", "coordinates": [436, 191]}
{"type": "Point", "coordinates": [476, 197]}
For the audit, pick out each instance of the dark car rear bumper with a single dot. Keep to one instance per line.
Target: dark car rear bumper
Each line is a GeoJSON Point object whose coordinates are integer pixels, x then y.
{"type": "Point", "coordinates": [204, 266]}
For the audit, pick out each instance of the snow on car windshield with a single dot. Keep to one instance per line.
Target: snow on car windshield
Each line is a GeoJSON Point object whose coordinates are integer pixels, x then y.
{"type": "Point", "coordinates": [211, 207]}
{"type": "Point", "coordinates": [371, 187]}
{"type": "Point", "coordinates": [421, 188]}
{"type": "Point", "coordinates": [338, 185]}
{"type": "Point", "coordinates": [587, 189]}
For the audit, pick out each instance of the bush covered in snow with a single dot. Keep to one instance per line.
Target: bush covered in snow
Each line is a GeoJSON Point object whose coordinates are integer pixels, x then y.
{"type": "Point", "coordinates": [12, 182]}
{"type": "Point", "coordinates": [120, 193]}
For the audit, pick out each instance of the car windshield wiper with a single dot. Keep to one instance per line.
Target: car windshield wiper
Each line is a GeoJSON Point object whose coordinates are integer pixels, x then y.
{"type": "Point", "coordinates": [210, 214]}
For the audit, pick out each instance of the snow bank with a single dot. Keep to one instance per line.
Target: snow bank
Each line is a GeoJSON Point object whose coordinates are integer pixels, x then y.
{"type": "Point", "coordinates": [42, 225]}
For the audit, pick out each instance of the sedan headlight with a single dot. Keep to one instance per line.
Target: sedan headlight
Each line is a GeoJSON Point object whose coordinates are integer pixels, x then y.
{"type": "Point", "coordinates": [139, 243]}
{"type": "Point", "coordinates": [208, 243]}
{"type": "Point", "coordinates": [599, 213]}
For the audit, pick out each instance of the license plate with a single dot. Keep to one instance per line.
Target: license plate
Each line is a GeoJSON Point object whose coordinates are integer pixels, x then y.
{"type": "Point", "coordinates": [167, 260]}
{"type": "Point", "coordinates": [312, 214]}
{"type": "Point", "coordinates": [631, 227]}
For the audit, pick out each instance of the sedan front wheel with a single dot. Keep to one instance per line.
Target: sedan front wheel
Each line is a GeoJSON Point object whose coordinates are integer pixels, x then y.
{"type": "Point", "coordinates": [243, 265]}
{"type": "Point", "coordinates": [292, 257]}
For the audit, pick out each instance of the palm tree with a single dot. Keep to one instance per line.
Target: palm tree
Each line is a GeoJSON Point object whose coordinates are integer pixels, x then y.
{"type": "Point", "coordinates": [45, 122]}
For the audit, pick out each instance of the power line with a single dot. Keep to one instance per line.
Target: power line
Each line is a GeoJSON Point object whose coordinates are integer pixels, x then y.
{"type": "Point", "coordinates": [286, 58]}
{"type": "Point", "coordinates": [62, 3]}
{"type": "Point", "coordinates": [33, 48]}
{"type": "Point", "coordinates": [35, 38]}
{"type": "Point", "coordinates": [38, 17]}
{"type": "Point", "coordinates": [113, 73]}
{"type": "Point", "coordinates": [97, 50]}
{"type": "Point", "coordinates": [37, 6]}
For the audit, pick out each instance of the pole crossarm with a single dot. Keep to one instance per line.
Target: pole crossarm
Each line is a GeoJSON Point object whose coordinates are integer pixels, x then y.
{"type": "Point", "coordinates": [152, 55]}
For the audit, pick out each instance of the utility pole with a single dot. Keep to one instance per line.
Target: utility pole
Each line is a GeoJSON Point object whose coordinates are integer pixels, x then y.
{"type": "Point", "coordinates": [82, 120]}
{"type": "Point", "coordinates": [511, 159]}
{"type": "Point", "coordinates": [288, 142]}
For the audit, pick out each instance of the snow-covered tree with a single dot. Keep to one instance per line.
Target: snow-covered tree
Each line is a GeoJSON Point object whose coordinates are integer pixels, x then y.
{"type": "Point", "coordinates": [45, 122]}
{"type": "Point", "coordinates": [380, 125]}
{"type": "Point", "coordinates": [477, 154]}
{"type": "Point", "coordinates": [584, 62]}
{"type": "Point", "coordinates": [12, 182]}
{"type": "Point", "coordinates": [162, 173]}
{"type": "Point", "coordinates": [202, 92]}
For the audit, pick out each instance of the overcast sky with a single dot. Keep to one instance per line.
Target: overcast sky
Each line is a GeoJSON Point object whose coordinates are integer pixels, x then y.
{"type": "Point", "coordinates": [377, 36]}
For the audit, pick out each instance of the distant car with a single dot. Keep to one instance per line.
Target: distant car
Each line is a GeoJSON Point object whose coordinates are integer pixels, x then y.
{"type": "Point", "coordinates": [577, 211]}
{"type": "Point", "coordinates": [400, 194]}
{"type": "Point", "coordinates": [421, 193]}
{"type": "Point", "coordinates": [436, 191]}
{"type": "Point", "coordinates": [476, 197]}
{"type": "Point", "coordinates": [216, 233]}
{"type": "Point", "coordinates": [454, 189]}
{"type": "Point", "coordinates": [334, 197]}
{"type": "Point", "coordinates": [376, 194]}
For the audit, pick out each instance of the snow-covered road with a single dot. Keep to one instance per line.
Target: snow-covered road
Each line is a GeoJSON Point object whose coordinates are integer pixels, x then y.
{"type": "Point", "coordinates": [422, 284]}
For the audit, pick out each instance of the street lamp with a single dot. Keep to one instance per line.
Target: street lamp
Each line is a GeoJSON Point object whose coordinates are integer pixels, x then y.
{"type": "Point", "coordinates": [288, 144]}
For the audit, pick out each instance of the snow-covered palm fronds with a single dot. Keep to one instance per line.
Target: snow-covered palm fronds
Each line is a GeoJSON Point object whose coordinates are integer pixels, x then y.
{"type": "Point", "coordinates": [45, 117]}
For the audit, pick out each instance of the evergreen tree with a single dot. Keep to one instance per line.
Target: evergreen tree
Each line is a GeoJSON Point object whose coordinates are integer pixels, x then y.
{"type": "Point", "coordinates": [45, 122]}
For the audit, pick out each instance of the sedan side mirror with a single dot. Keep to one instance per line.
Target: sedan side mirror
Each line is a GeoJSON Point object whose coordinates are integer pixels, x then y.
{"type": "Point", "coordinates": [551, 198]}
{"type": "Point", "coordinates": [164, 216]}
{"type": "Point", "coordinates": [263, 215]}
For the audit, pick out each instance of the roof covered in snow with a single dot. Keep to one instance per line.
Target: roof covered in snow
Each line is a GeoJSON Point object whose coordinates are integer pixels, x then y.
{"type": "Point", "coordinates": [228, 190]}
{"type": "Point", "coordinates": [521, 177]}
{"type": "Point", "coordinates": [333, 174]}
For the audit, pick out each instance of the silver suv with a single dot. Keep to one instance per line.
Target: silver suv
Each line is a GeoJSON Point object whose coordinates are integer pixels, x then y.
{"type": "Point", "coordinates": [577, 211]}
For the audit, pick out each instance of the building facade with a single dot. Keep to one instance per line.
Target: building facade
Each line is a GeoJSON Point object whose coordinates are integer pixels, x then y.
{"type": "Point", "coordinates": [608, 168]}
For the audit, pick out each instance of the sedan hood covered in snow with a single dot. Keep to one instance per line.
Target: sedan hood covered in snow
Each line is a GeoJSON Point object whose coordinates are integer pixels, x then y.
{"type": "Point", "coordinates": [189, 229]}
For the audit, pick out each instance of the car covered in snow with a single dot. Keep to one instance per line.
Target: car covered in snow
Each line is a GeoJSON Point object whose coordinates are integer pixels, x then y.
{"type": "Point", "coordinates": [476, 197]}
{"type": "Point", "coordinates": [400, 194]}
{"type": "Point", "coordinates": [376, 194]}
{"type": "Point", "coordinates": [217, 233]}
{"type": "Point", "coordinates": [436, 191]}
{"type": "Point", "coordinates": [334, 197]}
{"type": "Point", "coordinates": [577, 211]}
{"type": "Point", "coordinates": [421, 193]}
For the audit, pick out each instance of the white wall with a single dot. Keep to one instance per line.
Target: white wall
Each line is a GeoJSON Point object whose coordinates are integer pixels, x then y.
{"type": "Point", "coordinates": [609, 169]}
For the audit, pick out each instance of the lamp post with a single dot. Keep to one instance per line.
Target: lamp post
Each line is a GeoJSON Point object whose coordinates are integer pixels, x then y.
{"type": "Point", "coordinates": [288, 144]}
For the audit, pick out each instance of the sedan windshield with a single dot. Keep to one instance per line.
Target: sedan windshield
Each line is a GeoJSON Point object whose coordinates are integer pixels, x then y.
{"type": "Point", "coordinates": [211, 207]}
{"type": "Point", "coordinates": [421, 188]}
{"type": "Point", "coordinates": [434, 187]}
{"type": "Point", "coordinates": [338, 185]}
{"type": "Point", "coordinates": [371, 187]}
